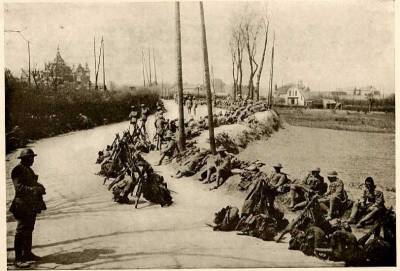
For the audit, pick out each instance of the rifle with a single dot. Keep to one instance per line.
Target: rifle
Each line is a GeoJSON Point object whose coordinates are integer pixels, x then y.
{"type": "Point", "coordinates": [293, 224]}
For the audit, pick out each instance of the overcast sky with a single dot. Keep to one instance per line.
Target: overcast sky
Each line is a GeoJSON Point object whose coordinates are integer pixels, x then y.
{"type": "Point", "coordinates": [327, 44]}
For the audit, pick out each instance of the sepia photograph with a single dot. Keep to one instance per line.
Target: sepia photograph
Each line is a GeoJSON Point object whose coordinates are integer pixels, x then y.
{"type": "Point", "coordinates": [199, 134]}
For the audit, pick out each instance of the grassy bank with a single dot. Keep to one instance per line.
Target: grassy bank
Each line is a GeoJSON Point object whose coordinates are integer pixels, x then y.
{"type": "Point", "coordinates": [33, 113]}
{"type": "Point", "coordinates": [339, 119]}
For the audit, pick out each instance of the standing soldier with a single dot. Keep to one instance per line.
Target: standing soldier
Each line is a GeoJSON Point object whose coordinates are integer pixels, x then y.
{"type": "Point", "coordinates": [27, 203]}
{"type": "Point", "coordinates": [160, 129]}
{"type": "Point", "coordinates": [189, 105]}
{"type": "Point", "coordinates": [336, 196]}
{"type": "Point", "coordinates": [145, 114]}
{"type": "Point", "coordinates": [194, 105]}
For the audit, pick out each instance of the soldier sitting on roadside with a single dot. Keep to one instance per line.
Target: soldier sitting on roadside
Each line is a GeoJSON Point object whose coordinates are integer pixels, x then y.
{"type": "Point", "coordinates": [219, 164]}
{"type": "Point", "coordinates": [278, 179]}
{"type": "Point", "coordinates": [312, 184]}
{"type": "Point", "coordinates": [369, 205]}
{"type": "Point", "coordinates": [335, 199]}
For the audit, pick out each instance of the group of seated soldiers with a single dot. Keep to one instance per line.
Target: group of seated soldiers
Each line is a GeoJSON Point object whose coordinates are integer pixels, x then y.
{"type": "Point", "coordinates": [332, 196]}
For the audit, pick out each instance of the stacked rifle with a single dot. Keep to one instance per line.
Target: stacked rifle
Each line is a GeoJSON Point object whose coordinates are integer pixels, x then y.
{"type": "Point", "coordinates": [130, 173]}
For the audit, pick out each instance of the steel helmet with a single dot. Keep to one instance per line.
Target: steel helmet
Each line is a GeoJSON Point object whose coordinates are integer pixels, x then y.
{"type": "Point", "coordinates": [26, 153]}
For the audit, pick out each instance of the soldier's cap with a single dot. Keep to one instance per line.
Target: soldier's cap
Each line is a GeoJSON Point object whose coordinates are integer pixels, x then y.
{"type": "Point", "coordinates": [332, 173]}
{"type": "Point", "coordinates": [370, 180]}
{"type": "Point", "coordinates": [26, 153]}
{"type": "Point", "coordinates": [277, 165]}
{"type": "Point", "coordinates": [221, 149]}
{"type": "Point", "coordinates": [132, 106]}
{"type": "Point", "coordinates": [316, 169]}
{"type": "Point", "coordinates": [142, 105]}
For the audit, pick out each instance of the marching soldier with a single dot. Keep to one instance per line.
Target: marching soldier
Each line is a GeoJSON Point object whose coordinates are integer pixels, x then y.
{"type": "Point", "coordinates": [335, 198]}
{"type": "Point", "coordinates": [27, 203]}
{"type": "Point", "coordinates": [369, 205]}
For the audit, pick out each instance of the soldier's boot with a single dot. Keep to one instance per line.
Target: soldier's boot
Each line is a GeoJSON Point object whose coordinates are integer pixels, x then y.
{"type": "Point", "coordinates": [19, 252]}
{"type": "Point", "coordinates": [28, 255]}
{"type": "Point", "coordinates": [354, 211]}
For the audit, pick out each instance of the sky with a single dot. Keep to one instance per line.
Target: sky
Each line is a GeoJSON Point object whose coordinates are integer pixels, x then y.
{"type": "Point", "coordinates": [326, 44]}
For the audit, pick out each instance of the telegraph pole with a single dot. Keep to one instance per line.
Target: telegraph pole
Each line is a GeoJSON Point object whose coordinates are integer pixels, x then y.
{"type": "Point", "coordinates": [207, 81]}
{"type": "Point", "coordinates": [155, 71]}
{"type": "Point", "coordinates": [148, 49]}
{"type": "Point", "coordinates": [104, 73]}
{"type": "Point", "coordinates": [29, 64]}
{"type": "Point", "coordinates": [181, 142]}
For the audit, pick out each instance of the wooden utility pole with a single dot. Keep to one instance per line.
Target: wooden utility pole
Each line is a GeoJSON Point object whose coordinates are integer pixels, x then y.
{"type": "Point", "coordinates": [181, 142]}
{"type": "Point", "coordinates": [29, 63]}
{"type": "Point", "coordinates": [95, 63]}
{"type": "Point", "coordinates": [271, 76]}
{"type": "Point", "coordinates": [207, 81]}
{"type": "Point", "coordinates": [104, 73]}
{"type": "Point", "coordinates": [155, 71]}
{"type": "Point", "coordinates": [150, 82]}
{"type": "Point", "coordinates": [144, 78]}
{"type": "Point", "coordinates": [98, 67]}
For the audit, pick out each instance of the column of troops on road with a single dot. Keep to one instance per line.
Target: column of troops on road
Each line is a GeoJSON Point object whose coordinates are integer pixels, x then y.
{"type": "Point", "coordinates": [320, 227]}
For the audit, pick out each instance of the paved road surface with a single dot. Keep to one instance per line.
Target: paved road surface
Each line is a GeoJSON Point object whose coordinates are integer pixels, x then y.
{"type": "Point", "coordinates": [84, 229]}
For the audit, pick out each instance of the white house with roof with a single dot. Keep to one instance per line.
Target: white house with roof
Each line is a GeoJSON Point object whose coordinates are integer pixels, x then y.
{"type": "Point", "coordinates": [293, 95]}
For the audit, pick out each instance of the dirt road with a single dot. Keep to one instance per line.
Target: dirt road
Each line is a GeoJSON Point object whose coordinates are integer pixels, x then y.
{"type": "Point", "coordinates": [84, 229]}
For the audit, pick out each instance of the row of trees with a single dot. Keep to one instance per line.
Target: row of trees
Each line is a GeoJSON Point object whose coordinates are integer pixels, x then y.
{"type": "Point", "coordinates": [246, 34]}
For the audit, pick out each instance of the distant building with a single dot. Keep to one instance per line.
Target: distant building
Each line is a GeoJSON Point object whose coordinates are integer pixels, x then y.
{"type": "Point", "coordinates": [293, 95]}
{"type": "Point", "coordinates": [57, 73]}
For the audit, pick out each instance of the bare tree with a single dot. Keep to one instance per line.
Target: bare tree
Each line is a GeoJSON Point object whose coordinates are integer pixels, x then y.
{"type": "Point", "coordinates": [257, 90]}
{"type": "Point", "coordinates": [207, 81]}
{"type": "Point", "coordinates": [36, 75]}
{"type": "Point", "coordinates": [250, 29]}
{"type": "Point", "coordinates": [181, 142]}
{"type": "Point", "coordinates": [236, 47]}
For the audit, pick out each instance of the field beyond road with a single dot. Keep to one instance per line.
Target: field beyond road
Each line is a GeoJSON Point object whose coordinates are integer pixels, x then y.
{"type": "Point", "coordinates": [378, 122]}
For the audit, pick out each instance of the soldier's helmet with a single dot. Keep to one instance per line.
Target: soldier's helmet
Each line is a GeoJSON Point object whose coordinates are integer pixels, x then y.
{"type": "Point", "coordinates": [26, 153]}
{"type": "Point", "coordinates": [277, 165]}
{"type": "Point", "coordinates": [316, 169]}
{"type": "Point", "coordinates": [370, 182]}
{"type": "Point", "coordinates": [332, 174]}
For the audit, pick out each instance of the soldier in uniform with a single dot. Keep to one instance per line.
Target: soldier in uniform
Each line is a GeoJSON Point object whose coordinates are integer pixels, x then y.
{"type": "Point", "coordinates": [195, 104]}
{"type": "Point", "coordinates": [278, 178]}
{"type": "Point", "coordinates": [369, 205]}
{"type": "Point", "coordinates": [145, 113]}
{"type": "Point", "coordinates": [27, 203]}
{"type": "Point", "coordinates": [160, 129]}
{"type": "Point", "coordinates": [170, 149]}
{"type": "Point", "coordinates": [221, 165]}
{"type": "Point", "coordinates": [335, 198]}
{"type": "Point", "coordinates": [313, 183]}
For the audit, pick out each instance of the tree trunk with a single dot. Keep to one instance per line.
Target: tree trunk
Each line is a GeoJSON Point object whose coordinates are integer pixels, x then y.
{"type": "Point", "coordinates": [207, 81]}
{"type": "Point", "coordinates": [261, 65]}
{"type": "Point", "coordinates": [181, 142]}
